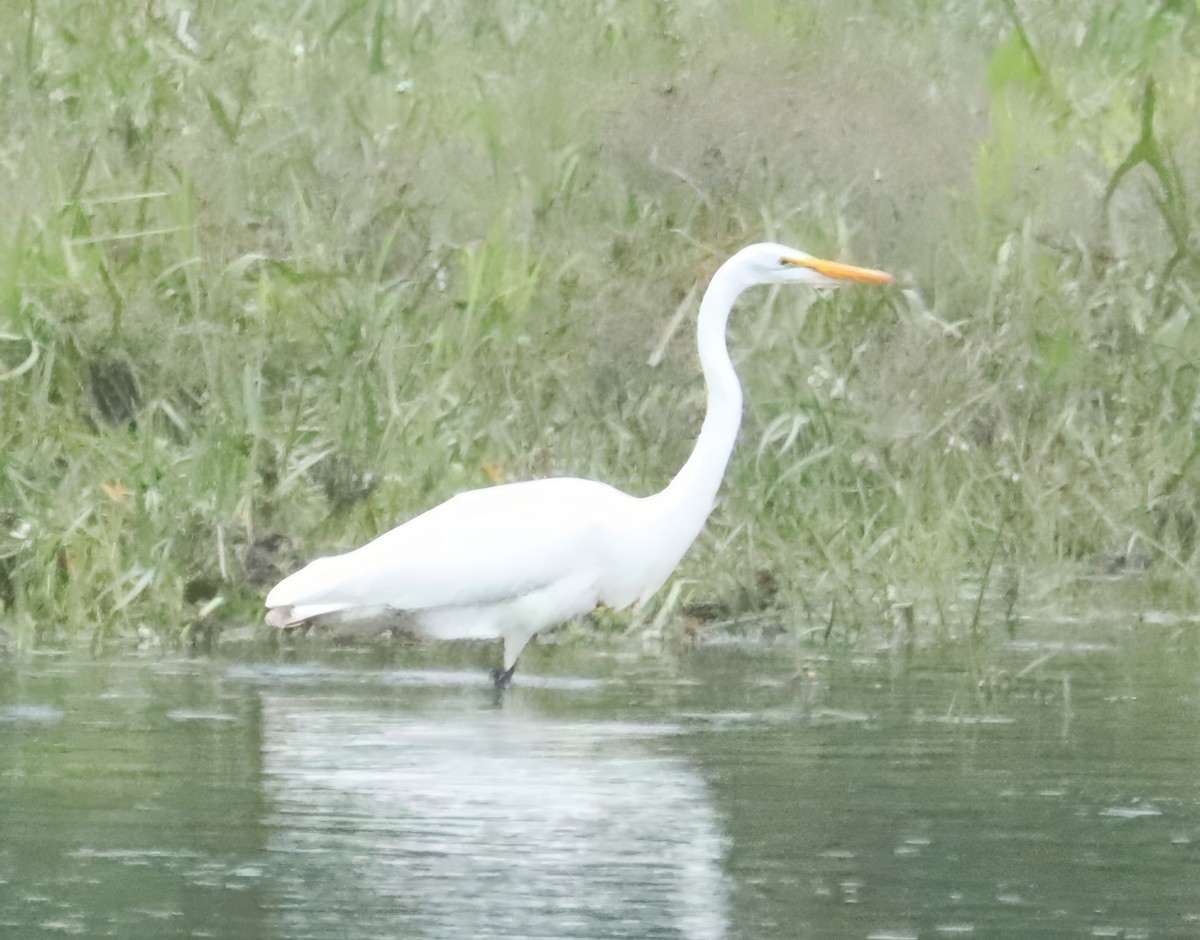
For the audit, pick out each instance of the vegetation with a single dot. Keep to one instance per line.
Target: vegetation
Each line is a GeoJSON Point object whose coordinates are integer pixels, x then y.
{"type": "Point", "coordinates": [276, 276]}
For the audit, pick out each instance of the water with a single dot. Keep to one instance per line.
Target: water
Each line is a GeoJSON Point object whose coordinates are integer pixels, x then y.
{"type": "Point", "coordinates": [728, 793]}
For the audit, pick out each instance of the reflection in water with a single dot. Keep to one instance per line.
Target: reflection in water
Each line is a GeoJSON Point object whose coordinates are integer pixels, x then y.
{"type": "Point", "coordinates": [869, 798]}
{"type": "Point", "coordinates": [487, 823]}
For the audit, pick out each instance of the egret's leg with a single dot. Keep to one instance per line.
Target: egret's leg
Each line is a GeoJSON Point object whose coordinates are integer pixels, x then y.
{"type": "Point", "coordinates": [502, 679]}
{"type": "Point", "coordinates": [514, 642]}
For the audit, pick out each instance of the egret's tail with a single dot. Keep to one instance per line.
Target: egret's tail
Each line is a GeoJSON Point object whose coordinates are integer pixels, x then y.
{"type": "Point", "coordinates": [280, 617]}
{"type": "Point", "coordinates": [290, 615]}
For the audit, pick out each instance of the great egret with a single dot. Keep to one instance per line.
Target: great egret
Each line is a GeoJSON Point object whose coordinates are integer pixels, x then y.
{"type": "Point", "coordinates": [508, 561]}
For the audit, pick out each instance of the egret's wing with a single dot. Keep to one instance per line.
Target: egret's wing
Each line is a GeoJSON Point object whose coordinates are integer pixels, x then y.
{"type": "Point", "coordinates": [480, 547]}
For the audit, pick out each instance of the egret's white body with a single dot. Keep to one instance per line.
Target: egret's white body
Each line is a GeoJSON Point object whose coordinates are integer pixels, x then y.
{"type": "Point", "coordinates": [509, 561]}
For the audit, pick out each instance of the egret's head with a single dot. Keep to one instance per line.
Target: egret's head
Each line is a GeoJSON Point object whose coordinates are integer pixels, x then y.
{"type": "Point", "coordinates": [768, 263]}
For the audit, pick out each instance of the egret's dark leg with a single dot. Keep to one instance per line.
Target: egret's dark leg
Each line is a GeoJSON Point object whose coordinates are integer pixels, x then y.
{"type": "Point", "coordinates": [502, 679]}
{"type": "Point", "coordinates": [512, 651]}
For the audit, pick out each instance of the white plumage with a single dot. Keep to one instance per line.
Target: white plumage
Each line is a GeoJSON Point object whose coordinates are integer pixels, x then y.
{"type": "Point", "coordinates": [508, 561]}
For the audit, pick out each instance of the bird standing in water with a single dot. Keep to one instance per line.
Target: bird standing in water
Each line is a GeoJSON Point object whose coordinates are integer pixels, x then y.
{"type": "Point", "coordinates": [506, 562]}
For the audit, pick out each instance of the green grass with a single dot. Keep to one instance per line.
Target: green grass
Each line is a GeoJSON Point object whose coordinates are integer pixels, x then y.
{"type": "Point", "coordinates": [275, 277]}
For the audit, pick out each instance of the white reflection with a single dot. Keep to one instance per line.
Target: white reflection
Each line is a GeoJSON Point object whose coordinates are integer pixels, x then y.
{"type": "Point", "coordinates": [486, 824]}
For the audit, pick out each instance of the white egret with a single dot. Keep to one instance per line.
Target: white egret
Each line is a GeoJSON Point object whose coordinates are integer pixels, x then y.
{"type": "Point", "coordinates": [508, 561]}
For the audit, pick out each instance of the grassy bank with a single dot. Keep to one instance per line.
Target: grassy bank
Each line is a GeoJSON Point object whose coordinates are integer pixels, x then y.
{"type": "Point", "coordinates": [275, 276]}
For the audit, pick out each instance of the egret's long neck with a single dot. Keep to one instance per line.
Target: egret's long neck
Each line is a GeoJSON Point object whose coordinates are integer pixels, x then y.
{"type": "Point", "coordinates": [690, 496]}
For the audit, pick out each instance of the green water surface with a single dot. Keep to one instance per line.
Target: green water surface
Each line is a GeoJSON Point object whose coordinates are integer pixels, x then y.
{"type": "Point", "coordinates": [730, 792]}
